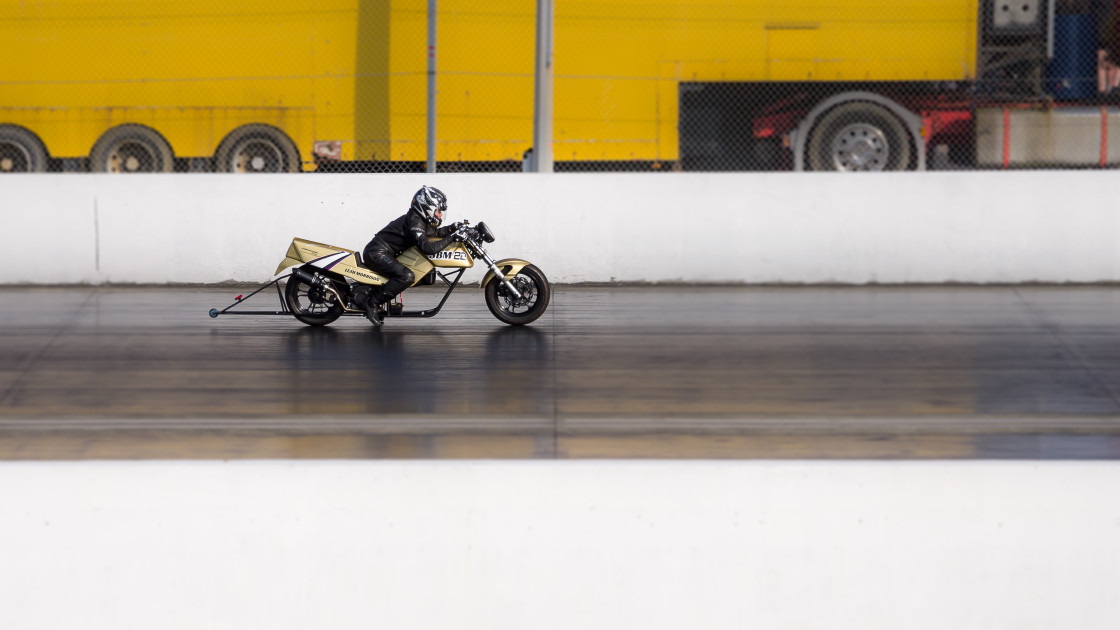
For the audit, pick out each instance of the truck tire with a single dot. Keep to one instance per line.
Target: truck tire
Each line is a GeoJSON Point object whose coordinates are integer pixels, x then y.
{"type": "Point", "coordinates": [131, 149]}
{"type": "Point", "coordinates": [257, 149]}
{"type": "Point", "coordinates": [859, 136]}
{"type": "Point", "coordinates": [21, 151]}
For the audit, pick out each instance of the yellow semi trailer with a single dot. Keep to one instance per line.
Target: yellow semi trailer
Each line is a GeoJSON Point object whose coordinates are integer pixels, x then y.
{"type": "Point", "coordinates": [293, 85]}
{"type": "Point", "coordinates": [256, 85]}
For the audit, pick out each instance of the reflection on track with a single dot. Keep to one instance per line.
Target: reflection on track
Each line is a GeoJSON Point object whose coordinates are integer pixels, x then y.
{"type": "Point", "coordinates": [608, 372]}
{"type": "Point", "coordinates": [418, 371]}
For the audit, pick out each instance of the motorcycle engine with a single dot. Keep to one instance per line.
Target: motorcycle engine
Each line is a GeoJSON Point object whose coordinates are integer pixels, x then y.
{"type": "Point", "coordinates": [361, 295]}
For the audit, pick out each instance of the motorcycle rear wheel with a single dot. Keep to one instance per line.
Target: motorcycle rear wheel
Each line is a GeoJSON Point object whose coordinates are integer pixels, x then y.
{"type": "Point", "coordinates": [535, 294]}
{"type": "Point", "coordinates": [307, 306]}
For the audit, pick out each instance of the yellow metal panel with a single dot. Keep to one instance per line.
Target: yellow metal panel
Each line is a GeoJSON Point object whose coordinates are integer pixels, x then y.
{"type": "Point", "coordinates": [609, 52]}
{"type": "Point", "coordinates": [185, 68]}
{"type": "Point", "coordinates": [408, 67]}
{"type": "Point", "coordinates": [485, 80]}
{"type": "Point", "coordinates": [354, 71]}
{"type": "Point", "coordinates": [486, 67]}
{"type": "Point", "coordinates": [892, 51]}
{"type": "Point", "coordinates": [368, 105]}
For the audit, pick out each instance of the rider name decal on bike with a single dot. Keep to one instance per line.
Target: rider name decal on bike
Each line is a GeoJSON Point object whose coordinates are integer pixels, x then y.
{"type": "Point", "coordinates": [445, 255]}
{"type": "Point", "coordinates": [353, 271]}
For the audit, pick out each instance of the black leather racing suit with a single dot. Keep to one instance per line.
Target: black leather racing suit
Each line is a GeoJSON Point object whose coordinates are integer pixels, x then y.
{"type": "Point", "coordinates": [403, 232]}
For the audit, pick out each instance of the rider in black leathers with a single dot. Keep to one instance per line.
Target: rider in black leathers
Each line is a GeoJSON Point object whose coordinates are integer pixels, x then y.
{"type": "Point", "coordinates": [416, 227]}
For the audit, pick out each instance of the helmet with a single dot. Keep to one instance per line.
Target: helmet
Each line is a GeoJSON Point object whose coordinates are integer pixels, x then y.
{"type": "Point", "coordinates": [427, 202]}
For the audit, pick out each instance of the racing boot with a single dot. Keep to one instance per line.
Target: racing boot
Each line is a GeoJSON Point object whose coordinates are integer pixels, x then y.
{"type": "Point", "coordinates": [373, 312]}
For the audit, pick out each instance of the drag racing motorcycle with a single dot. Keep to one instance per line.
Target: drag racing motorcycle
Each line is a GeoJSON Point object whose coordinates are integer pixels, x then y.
{"type": "Point", "coordinates": [327, 282]}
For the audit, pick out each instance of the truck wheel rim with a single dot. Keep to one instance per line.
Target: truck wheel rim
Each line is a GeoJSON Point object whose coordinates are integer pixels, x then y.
{"type": "Point", "coordinates": [258, 156]}
{"type": "Point", "coordinates": [860, 147]}
{"type": "Point", "coordinates": [14, 158]}
{"type": "Point", "coordinates": [132, 157]}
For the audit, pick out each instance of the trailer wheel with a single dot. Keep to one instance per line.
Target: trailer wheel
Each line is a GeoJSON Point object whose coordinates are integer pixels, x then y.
{"type": "Point", "coordinates": [21, 151]}
{"type": "Point", "coordinates": [257, 149]}
{"type": "Point", "coordinates": [131, 149]}
{"type": "Point", "coordinates": [859, 137]}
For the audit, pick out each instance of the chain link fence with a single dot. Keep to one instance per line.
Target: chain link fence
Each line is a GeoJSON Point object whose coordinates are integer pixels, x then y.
{"type": "Point", "coordinates": [675, 85]}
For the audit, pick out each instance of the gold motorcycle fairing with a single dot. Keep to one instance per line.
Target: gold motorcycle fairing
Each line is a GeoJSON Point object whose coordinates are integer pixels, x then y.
{"type": "Point", "coordinates": [455, 255]}
{"type": "Point", "coordinates": [345, 261]}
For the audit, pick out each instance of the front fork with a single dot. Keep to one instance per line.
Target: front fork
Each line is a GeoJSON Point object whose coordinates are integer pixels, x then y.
{"type": "Point", "coordinates": [493, 267]}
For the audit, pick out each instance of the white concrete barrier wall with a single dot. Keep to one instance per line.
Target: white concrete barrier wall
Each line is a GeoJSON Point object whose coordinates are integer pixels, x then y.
{"type": "Point", "coordinates": [560, 545]}
{"type": "Point", "coordinates": [685, 227]}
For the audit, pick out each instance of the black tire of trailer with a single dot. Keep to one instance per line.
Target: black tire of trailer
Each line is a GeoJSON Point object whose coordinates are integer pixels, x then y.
{"type": "Point", "coordinates": [859, 136]}
{"type": "Point", "coordinates": [21, 151]}
{"type": "Point", "coordinates": [131, 148]}
{"type": "Point", "coordinates": [257, 148]}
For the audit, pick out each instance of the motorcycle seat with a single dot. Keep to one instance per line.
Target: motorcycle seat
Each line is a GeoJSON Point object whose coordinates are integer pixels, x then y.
{"type": "Point", "coordinates": [361, 263]}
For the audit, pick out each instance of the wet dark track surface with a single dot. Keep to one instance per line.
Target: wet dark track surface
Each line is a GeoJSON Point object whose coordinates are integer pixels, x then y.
{"type": "Point", "coordinates": [607, 372]}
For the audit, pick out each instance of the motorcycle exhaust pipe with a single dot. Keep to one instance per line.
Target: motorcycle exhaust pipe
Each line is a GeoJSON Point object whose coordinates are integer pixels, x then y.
{"type": "Point", "coordinates": [311, 278]}
{"type": "Point", "coordinates": [320, 282]}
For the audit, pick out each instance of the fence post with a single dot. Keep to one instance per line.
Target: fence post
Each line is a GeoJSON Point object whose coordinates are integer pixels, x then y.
{"type": "Point", "coordinates": [431, 86]}
{"type": "Point", "coordinates": [541, 156]}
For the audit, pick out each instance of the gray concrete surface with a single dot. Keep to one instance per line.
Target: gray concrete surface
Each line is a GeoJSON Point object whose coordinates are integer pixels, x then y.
{"type": "Point", "coordinates": [632, 372]}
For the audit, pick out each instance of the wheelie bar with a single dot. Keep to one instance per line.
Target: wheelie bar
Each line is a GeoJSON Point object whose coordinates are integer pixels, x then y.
{"type": "Point", "coordinates": [240, 299]}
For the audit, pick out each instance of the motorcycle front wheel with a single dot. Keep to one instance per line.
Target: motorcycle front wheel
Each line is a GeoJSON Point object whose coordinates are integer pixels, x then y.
{"type": "Point", "coordinates": [535, 293]}
{"type": "Point", "coordinates": [311, 305]}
